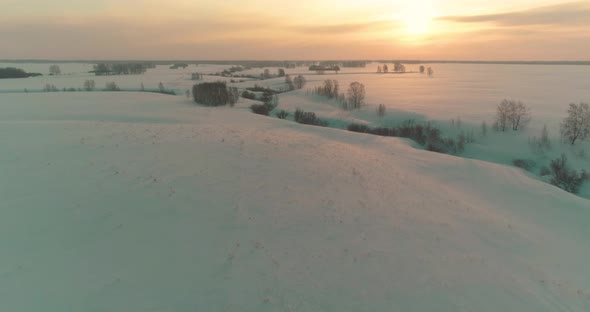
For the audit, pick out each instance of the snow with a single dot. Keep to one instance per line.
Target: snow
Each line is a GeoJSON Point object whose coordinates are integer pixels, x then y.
{"type": "Point", "coordinates": [123, 201]}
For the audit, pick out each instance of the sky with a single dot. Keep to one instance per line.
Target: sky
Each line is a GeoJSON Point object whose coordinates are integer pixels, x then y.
{"type": "Point", "coordinates": [295, 30]}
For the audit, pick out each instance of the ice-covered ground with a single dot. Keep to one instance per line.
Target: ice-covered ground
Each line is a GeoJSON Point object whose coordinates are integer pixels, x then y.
{"type": "Point", "coordinates": [145, 202]}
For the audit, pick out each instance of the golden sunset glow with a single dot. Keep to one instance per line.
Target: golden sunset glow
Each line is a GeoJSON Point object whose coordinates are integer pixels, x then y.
{"type": "Point", "coordinates": [417, 17]}
{"type": "Point", "coordinates": [322, 29]}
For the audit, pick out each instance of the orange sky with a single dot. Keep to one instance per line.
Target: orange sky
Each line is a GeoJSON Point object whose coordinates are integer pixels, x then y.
{"type": "Point", "coordinates": [319, 29]}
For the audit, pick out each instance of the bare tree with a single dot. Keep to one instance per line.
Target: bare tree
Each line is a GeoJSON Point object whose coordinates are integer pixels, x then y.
{"type": "Point", "coordinates": [520, 115]}
{"type": "Point", "coordinates": [266, 74]}
{"type": "Point", "coordinates": [381, 110]}
{"type": "Point", "coordinates": [299, 82]}
{"type": "Point", "coordinates": [142, 88]}
{"type": "Point", "coordinates": [422, 69]}
{"type": "Point", "coordinates": [356, 95]}
{"type": "Point", "coordinates": [385, 68]}
{"type": "Point", "coordinates": [430, 71]}
{"type": "Point", "coordinates": [89, 85]}
{"type": "Point", "coordinates": [512, 114]}
{"type": "Point", "coordinates": [484, 129]}
{"type": "Point", "coordinates": [379, 69]}
{"type": "Point", "coordinates": [576, 126]}
{"type": "Point", "coordinates": [54, 70]}
{"type": "Point", "coordinates": [289, 82]}
{"type": "Point", "coordinates": [503, 115]}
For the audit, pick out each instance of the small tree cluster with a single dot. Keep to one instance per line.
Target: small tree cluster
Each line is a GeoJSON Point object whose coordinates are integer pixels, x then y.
{"type": "Point", "coordinates": [121, 68]}
{"type": "Point", "coordinates": [576, 126]}
{"type": "Point", "coordinates": [50, 88]}
{"type": "Point", "coordinates": [179, 65]}
{"type": "Point", "coordinates": [321, 69]}
{"type": "Point", "coordinates": [426, 135]}
{"type": "Point", "coordinates": [299, 82]}
{"type": "Point", "coordinates": [430, 72]}
{"type": "Point", "coordinates": [329, 89]}
{"type": "Point", "coordinates": [89, 85]}
{"type": "Point", "coordinates": [111, 86]}
{"type": "Point", "coordinates": [282, 114]}
{"type": "Point", "coordinates": [258, 88]}
{"type": "Point", "coordinates": [54, 70]}
{"type": "Point", "coordinates": [354, 64]}
{"type": "Point", "coordinates": [399, 67]}
{"type": "Point", "coordinates": [281, 72]}
{"type": "Point", "coordinates": [214, 94]}
{"type": "Point", "coordinates": [422, 69]}
{"type": "Point", "coordinates": [13, 72]}
{"type": "Point", "coordinates": [564, 177]}
{"type": "Point", "coordinates": [512, 115]}
{"type": "Point", "coordinates": [308, 118]}
{"type": "Point", "coordinates": [196, 76]}
{"type": "Point", "coordinates": [163, 90]}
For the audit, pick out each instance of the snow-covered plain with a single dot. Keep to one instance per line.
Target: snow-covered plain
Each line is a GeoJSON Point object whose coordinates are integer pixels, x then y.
{"type": "Point", "coordinates": [123, 201]}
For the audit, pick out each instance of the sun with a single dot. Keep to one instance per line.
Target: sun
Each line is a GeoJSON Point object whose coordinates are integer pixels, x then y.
{"type": "Point", "coordinates": [416, 25]}
{"type": "Point", "coordinates": [416, 17]}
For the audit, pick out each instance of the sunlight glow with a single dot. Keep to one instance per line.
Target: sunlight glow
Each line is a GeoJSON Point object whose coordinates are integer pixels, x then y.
{"type": "Point", "coordinates": [416, 17]}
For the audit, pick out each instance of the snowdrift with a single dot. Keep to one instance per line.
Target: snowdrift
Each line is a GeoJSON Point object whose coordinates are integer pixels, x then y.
{"type": "Point", "coordinates": [145, 202]}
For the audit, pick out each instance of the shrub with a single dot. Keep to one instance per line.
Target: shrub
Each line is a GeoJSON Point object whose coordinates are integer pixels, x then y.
{"type": "Point", "coordinates": [526, 164]}
{"type": "Point", "coordinates": [426, 135]}
{"type": "Point", "coordinates": [564, 177]}
{"type": "Point", "coordinates": [308, 118]}
{"type": "Point", "coordinates": [358, 128]}
{"type": "Point", "coordinates": [258, 88]}
{"type": "Point", "coordinates": [261, 109]}
{"type": "Point", "coordinates": [111, 86]}
{"type": "Point", "coordinates": [544, 171]}
{"type": "Point", "coordinates": [234, 96]}
{"type": "Point", "coordinates": [248, 95]}
{"type": "Point", "coordinates": [282, 114]}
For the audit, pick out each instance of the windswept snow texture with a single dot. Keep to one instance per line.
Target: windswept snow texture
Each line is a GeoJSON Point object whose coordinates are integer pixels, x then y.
{"type": "Point", "coordinates": [146, 202]}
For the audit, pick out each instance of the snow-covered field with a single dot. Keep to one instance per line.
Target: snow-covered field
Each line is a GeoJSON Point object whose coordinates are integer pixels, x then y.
{"type": "Point", "coordinates": [126, 201]}
{"type": "Point", "coordinates": [466, 92]}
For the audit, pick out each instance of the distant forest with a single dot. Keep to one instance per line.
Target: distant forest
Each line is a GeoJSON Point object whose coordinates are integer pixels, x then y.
{"type": "Point", "coordinates": [306, 63]}
{"type": "Point", "coordinates": [12, 72]}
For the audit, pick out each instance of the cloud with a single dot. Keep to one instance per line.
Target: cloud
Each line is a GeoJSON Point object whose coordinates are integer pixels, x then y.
{"type": "Point", "coordinates": [573, 13]}
{"type": "Point", "coordinates": [336, 29]}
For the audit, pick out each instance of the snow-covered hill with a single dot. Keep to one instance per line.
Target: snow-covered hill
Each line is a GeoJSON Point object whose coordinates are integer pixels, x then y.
{"type": "Point", "coordinates": [145, 202]}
